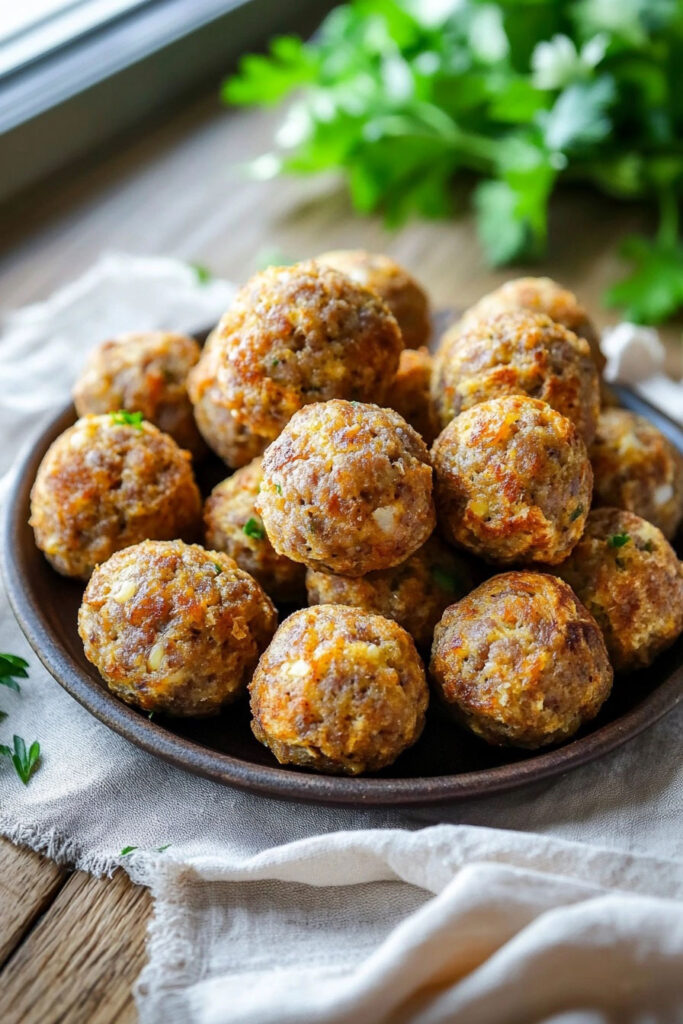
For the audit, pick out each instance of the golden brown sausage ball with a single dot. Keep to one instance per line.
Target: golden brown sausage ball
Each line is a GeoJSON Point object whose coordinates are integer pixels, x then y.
{"type": "Point", "coordinates": [347, 488]}
{"type": "Point", "coordinates": [410, 394]}
{"type": "Point", "coordinates": [520, 661]}
{"type": "Point", "coordinates": [540, 295]}
{"type": "Point", "coordinates": [339, 690]}
{"type": "Point", "coordinates": [293, 336]}
{"type": "Point", "coordinates": [636, 468]}
{"type": "Point", "coordinates": [406, 299]}
{"type": "Point", "coordinates": [233, 525]}
{"type": "Point", "coordinates": [512, 481]}
{"type": "Point", "coordinates": [147, 373]}
{"type": "Point", "coordinates": [106, 483]}
{"type": "Point", "coordinates": [414, 593]}
{"type": "Point", "coordinates": [517, 353]}
{"type": "Point", "coordinates": [173, 628]}
{"type": "Point", "coordinates": [628, 576]}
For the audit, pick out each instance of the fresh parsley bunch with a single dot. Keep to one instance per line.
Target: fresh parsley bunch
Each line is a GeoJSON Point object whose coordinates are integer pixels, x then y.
{"type": "Point", "coordinates": [401, 95]}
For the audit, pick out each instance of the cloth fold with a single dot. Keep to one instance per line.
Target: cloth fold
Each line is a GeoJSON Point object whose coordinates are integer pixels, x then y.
{"type": "Point", "coordinates": [562, 901]}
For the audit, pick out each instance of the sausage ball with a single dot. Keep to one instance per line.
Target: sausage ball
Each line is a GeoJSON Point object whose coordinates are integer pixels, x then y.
{"type": "Point", "coordinates": [392, 282]}
{"type": "Point", "coordinates": [636, 468]}
{"type": "Point", "coordinates": [347, 488]}
{"type": "Point", "coordinates": [293, 336]}
{"type": "Point", "coordinates": [173, 628]}
{"type": "Point", "coordinates": [145, 373]}
{"type": "Point", "coordinates": [106, 483]}
{"type": "Point", "coordinates": [414, 593]}
{"type": "Point", "coordinates": [513, 481]}
{"type": "Point", "coordinates": [540, 295]}
{"type": "Point", "coordinates": [520, 661]}
{"type": "Point", "coordinates": [410, 394]}
{"type": "Point", "coordinates": [339, 690]}
{"type": "Point", "coordinates": [233, 525]}
{"type": "Point", "coordinates": [628, 576]}
{"type": "Point", "coordinates": [517, 353]}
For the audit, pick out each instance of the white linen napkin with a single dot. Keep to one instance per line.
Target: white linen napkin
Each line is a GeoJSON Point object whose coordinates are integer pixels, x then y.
{"type": "Point", "coordinates": [562, 901]}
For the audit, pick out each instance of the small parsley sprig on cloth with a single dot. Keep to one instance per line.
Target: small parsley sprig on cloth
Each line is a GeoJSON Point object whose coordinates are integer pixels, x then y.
{"type": "Point", "coordinates": [25, 760]}
{"type": "Point", "coordinates": [403, 95]}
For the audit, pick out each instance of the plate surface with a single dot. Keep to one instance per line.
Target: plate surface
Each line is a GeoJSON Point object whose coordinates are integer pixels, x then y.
{"type": "Point", "coordinates": [446, 764]}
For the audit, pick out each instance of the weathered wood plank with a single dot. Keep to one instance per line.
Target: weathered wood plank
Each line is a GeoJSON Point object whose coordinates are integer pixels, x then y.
{"type": "Point", "coordinates": [79, 962]}
{"type": "Point", "coordinates": [28, 885]}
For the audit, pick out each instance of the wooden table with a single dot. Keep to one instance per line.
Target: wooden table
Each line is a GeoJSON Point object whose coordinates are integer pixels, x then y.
{"type": "Point", "coordinates": [71, 946]}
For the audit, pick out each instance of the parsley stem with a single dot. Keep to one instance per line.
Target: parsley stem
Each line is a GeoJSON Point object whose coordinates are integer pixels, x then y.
{"type": "Point", "coordinates": [667, 233]}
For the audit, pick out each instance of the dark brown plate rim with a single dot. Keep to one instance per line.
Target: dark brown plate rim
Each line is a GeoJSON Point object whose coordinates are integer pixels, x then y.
{"type": "Point", "coordinates": [271, 781]}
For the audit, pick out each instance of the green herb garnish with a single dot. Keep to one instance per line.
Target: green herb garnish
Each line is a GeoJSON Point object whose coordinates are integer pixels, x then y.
{"type": "Point", "coordinates": [12, 667]}
{"type": "Point", "coordinates": [202, 273]}
{"type": "Point", "coordinates": [25, 761]}
{"type": "Point", "coordinates": [576, 513]}
{"type": "Point", "coordinates": [278, 488]}
{"type": "Point", "coordinates": [254, 528]}
{"type": "Point", "coordinates": [275, 362]}
{"type": "Point", "coordinates": [402, 96]}
{"type": "Point", "coordinates": [126, 850]}
{"type": "Point", "coordinates": [160, 849]}
{"type": "Point", "coordinates": [444, 579]}
{"type": "Point", "coordinates": [123, 418]}
{"type": "Point", "coordinates": [617, 540]}
{"type": "Point", "coordinates": [218, 568]}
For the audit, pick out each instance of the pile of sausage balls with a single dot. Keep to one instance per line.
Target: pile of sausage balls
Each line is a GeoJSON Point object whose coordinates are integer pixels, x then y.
{"type": "Point", "coordinates": [487, 510]}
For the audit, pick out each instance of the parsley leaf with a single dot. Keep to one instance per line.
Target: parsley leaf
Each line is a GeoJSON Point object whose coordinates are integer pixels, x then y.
{"type": "Point", "coordinates": [123, 418]}
{"type": "Point", "coordinates": [617, 540]}
{"type": "Point", "coordinates": [12, 667]}
{"type": "Point", "coordinates": [254, 528]}
{"type": "Point", "coordinates": [654, 290]}
{"type": "Point", "coordinates": [578, 511]}
{"type": "Point", "coordinates": [25, 761]}
{"type": "Point", "coordinates": [126, 850]}
{"type": "Point", "coordinates": [202, 273]}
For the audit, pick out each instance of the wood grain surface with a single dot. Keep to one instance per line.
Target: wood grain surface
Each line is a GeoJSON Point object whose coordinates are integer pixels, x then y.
{"type": "Point", "coordinates": [71, 946]}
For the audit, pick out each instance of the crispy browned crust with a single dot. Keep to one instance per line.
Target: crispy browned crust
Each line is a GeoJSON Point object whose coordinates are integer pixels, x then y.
{"type": "Point", "coordinates": [516, 353]}
{"type": "Point", "coordinates": [406, 299]}
{"type": "Point", "coordinates": [540, 295]}
{"type": "Point", "coordinates": [227, 511]}
{"type": "Point", "coordinates": [512, 481]}
{"type": "Point", "coordinates": [410, 395]}
{"type": "Point", "coordinates": [339, 690]}
{"type": "Point", "coordinates": [144, 372]}
{"type": "Point", "coordinates": [294, 335]}
{"type": "Point", "coordinates": [636, 468]}
{"type": "Point", "coordinates": [347, 488]}
{"type": "Point", "coordinates": [520, 661]}
{"type": "Point", "coordinates": [414, 593]}
{"type": "Point", "coordinates": [173, 628]}
{"type": "Point", "coordinates": [103, 486]}
{"type": "Point", "coordinates": [635, 590]}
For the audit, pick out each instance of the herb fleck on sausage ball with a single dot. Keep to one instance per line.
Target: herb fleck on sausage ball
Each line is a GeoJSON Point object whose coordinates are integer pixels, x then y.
{"type": "Point", "coordinates": [414, 593]}
{"type": "Point", "coordinates": [293, 336]}
{"type": "Point", "coordinates": [513, 481]}
{"type": "Point", "coordinates": [339, 690]}
{"type": "Point", "coordinates": [173, 628]}
{"type": "Point", "coordinates": [347, 488]}
{"type": "Point", "coordinates": [540, 295]}
{"type": "Point", "coordinates": [636, 468]}
{"type": "Point", "coordinates": [406, 299]}
{"type": "Point", "coordinates": [233, 525]}
{"type": "Point", "coordinates": [628, 576]}
{"type": "Point", "coordinates": [147, 373]}
{"type": "Point", "coordinates": [520, 661]}
{"type": "Point", "coordinates": [517, 353]}
{"type": "Point", "coordinates": [410, 395]}
{"type": "Point", "coordinates": [106, 483]}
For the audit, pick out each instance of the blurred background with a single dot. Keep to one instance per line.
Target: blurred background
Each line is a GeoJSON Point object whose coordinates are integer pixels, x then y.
{"type": "Point", "coordinates": [473, 141]}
